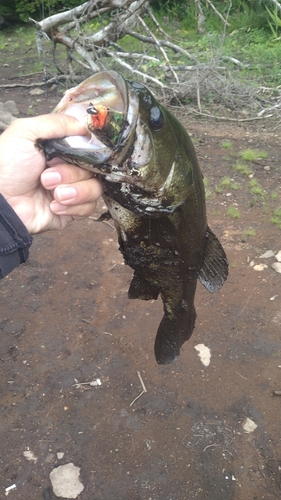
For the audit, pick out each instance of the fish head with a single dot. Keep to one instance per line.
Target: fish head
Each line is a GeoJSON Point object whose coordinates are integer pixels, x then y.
{"type": "Point", "coordinates": [107, 108]}
{"type": "Point", "coordinates": [132, 141]}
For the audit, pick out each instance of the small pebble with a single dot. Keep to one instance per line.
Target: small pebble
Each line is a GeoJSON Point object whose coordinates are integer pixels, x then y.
{"type": "Point", "coordinates": [204, 353]}
{"type": "Point", "coordinates": [267, 254]}
{"type": "Point", "coordinates": [277, 267]}
{"type": "Point", "coordinates": [249, 425]}
{"type": "Point", "coordinates": [66, 482]}
{"type": "Point", "coordinates": [36, 92]}
{"type": "Point", "coordinates": [278, 256]}
{"type": "Point", "coordinates": [260, 267]}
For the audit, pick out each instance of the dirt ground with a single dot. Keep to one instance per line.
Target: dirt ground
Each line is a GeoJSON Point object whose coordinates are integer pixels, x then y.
{"type": "Point", "coordinates": [65, 320]}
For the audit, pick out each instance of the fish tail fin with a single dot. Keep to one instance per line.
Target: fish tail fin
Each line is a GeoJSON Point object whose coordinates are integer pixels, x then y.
{"type": "Point", "coordinates": [214, 270]}
{"type": "Point", "coordinates": [172, 333]}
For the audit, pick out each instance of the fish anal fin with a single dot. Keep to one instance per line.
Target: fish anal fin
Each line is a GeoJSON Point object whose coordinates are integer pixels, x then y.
{"type": "Point", "coordinates": [142, 289]}
{"type": "Point", "coordinates": [214, 270]}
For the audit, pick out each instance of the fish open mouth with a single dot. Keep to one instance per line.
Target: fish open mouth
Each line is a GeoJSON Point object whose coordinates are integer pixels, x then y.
{"type": "Point", "coordinates": [108, 107]}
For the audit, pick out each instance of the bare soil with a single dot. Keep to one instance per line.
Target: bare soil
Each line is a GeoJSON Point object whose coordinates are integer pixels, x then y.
{"type": "Point", "coordinates": [65, 320]}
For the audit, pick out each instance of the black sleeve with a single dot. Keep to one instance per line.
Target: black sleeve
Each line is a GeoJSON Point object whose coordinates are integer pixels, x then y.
{"type": "Point", "coordinates": [15, 240]}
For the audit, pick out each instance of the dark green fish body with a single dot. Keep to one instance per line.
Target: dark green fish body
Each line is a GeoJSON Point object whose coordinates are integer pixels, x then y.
{"type": "Point", "coordinates": [155, 194]}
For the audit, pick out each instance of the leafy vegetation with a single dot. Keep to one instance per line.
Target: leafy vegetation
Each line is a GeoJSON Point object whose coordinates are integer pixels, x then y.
{"type": "Point", "coordinates": [21, 10]}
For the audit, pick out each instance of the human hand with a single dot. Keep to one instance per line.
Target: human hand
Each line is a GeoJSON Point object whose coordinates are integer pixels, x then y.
{"type": "Point", "coordinates": [44, 199]}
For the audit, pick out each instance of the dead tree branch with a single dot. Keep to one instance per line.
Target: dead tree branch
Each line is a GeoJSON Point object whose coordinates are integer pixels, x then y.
{"type": "Point", "coordinates": [114, 34]}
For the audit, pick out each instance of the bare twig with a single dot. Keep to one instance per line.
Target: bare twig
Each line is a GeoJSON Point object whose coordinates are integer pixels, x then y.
{"type": "Point", "coordinates": [145, 76]}
{"type": "Point", "coordinates": [160, 48]}
{"type": "Point", "coordinates": [165, 43]}
{"type": "Point", "coordinates": [217, 12]}
{"type": "Point", "coordinates": [143, 389]}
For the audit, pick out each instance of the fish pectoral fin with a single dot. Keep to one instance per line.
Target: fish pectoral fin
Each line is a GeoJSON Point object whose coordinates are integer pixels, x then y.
{"type": "Point", "coordinates": [172, 333]}
{"type": "Point", "coordinates": [104, 216]}
{"type": "Point", "coordinates": [214, 270]}
{"type": "Point", "coordinates": [140, 288]}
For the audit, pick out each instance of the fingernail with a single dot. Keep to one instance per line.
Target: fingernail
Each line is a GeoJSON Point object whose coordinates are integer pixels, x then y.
{"type": "Point", "coordinates": [51, 179]}
{"type": "Point", "coordinates": [65, 193]}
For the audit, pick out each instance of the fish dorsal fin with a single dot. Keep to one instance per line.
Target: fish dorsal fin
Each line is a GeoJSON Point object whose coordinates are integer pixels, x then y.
{"type": "Point", "coordinates": [214, 270]}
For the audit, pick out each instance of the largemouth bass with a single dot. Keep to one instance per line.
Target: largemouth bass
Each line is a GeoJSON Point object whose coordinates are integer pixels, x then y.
{"type": "Point", "coordinates": [153, 188]}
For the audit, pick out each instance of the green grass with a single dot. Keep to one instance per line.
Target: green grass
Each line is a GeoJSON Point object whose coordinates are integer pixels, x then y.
{"type": "Point", "coordinates": [226, 183]}
{"type": "Point", "coordinates": [250, 232]}
{"type": "Point", "coordinates": [233, 213]}
{"type": "Point", "coordinates": [252, 155]}
{"type": "Point", "coordinates": [226, 144]}
{"type": "Point", "coordinates": [276, 218]}
{"type": "Point", "coordinates": [256, 188]}
{"type": "Point", "coordinates": [242, 168]}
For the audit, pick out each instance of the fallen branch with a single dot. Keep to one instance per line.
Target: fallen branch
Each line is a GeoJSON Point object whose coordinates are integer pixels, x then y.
{"type": "Point", "coordinates": [165, 43]}
{"type": "Point", "coordinates": [225, 118]}
{"type": "Point", "coordinates": [41, 84]}
{"type": "Point", "coordinates": [196, 77]}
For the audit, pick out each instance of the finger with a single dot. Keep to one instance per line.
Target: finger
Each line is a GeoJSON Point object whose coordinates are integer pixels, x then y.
{"type": "Point", "coordinates": [57, 125]}
{"type": "Point", "coordinates": [63, 173]}
{"type": "Point", "coordinates": [52, 126]}
{"type": "Point", "coordinates": [75, 211]}
{"type": "Point", "coordinates": [86, 191]}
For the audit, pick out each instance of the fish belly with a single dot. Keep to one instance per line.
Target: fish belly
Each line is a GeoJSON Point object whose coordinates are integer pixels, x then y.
{"type": "Point", "coordinates": [150, 247]}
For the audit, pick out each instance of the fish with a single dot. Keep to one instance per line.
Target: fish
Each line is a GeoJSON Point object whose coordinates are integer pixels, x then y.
{"type": "Point", "coordinates": [154, 191]}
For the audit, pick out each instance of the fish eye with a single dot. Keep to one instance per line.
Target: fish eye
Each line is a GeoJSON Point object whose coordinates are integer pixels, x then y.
{"type": "Point", "coordinates": [156, 118]}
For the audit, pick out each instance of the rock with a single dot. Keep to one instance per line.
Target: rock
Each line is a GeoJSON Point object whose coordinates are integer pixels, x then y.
{"type": "Point", "coordinates": [36, 92]}
{"type": "Point", "coordinates": [278, 256]}
{"type": "Point", "coordinates": [277, 267]}
{"type": "Point", "coordinates": [204, 353]}
{"type": "Point", "coordinates": [65, 481]}
{"type": "Point", "coordinates": [8, 113]}
{"type": "Point", "coordinates": [267, 255]}
{"type": "Point", "coordinates": [249, 425]}
{"type": "Point", "coordinates": [30, 456]}
{"type": "Point", "coordinates": [260, 267]}
{"type": "Point", "coordinates": [49, 458]}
